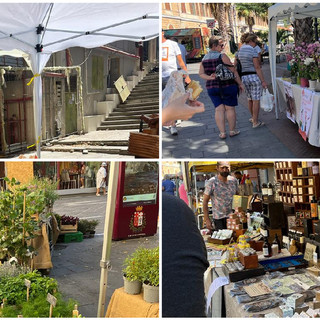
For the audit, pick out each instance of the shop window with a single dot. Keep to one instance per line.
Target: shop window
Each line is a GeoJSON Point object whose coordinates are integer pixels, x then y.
{"type": "Point", "coordinates": [167, 6]}
{"type": "Point", "coordinates": [183, 8]}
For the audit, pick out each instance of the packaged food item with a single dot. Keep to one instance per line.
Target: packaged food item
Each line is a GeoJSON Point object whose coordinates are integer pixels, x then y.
{"type": "Point", "coordinates": [195, 89]}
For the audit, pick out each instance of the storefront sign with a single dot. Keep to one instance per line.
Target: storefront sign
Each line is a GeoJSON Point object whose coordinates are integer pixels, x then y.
{"type": "Point", "coordinates": [290, 101]}
{"type": "Point", "coordinates": [305, 112]}
{"type": "Point", "coordinates": [211, 23]}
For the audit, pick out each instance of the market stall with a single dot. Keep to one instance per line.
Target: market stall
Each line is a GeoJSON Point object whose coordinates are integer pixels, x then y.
{"type": "Point", "coordinates": [266, 262]}
{"type": "Point", "coordinates": [304, 65]}
{"type": "Point", "coordinates": [306, 115]}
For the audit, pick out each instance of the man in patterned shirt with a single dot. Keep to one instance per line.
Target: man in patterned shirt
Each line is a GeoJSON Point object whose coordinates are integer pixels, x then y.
{"type": "Point", "coordinates": [221, 190]}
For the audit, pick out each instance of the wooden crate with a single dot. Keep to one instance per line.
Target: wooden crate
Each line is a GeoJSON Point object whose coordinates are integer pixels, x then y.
{"type": "Point", "coordinates": [143, 145]}
{"type": "Point", "coordinates": [66, 228]}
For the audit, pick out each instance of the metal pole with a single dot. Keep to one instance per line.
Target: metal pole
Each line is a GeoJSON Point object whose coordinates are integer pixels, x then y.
{"type": "Point", "coordinates": [108, 228]}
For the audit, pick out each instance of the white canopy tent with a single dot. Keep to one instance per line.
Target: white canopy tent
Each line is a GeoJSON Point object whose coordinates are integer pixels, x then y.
{"type": "Point", "coordinates": [283, 11]}
{"type": "Point", "coordinates": [40, 29]}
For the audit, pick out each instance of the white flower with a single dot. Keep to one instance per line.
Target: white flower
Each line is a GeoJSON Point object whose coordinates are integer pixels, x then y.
{"type": "Point", "coordinates": [13, 260]}
{"type": "Point", "coordinates": [308, 61]}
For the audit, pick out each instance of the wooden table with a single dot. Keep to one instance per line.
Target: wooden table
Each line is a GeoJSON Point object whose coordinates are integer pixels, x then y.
{"type": "Point", "coordinates": [123, 305]}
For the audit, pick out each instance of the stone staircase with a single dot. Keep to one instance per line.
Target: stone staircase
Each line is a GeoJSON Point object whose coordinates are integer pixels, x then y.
{"type": "Point", "coordinates": [143, 99]}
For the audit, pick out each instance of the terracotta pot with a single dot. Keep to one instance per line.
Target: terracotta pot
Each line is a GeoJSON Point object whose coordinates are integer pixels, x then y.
{"type": "Point", "coordinates": [150, 293]}
{"type": "Point", "coordinates": [132, 287]}
{"type": "Point", "coordinates": [304, 82]}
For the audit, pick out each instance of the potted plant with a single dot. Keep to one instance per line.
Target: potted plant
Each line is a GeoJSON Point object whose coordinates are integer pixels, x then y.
{"type": "Point", "coordinates": [303, 74]}
{"type": "Point", "coordinates": [313, 75]}
{"type": "Point", "coordinates": [132, 273]}
{"type": "Point", "coordinates": [151, 276]}
{"type": "Point", "coordinates": [87, 227]}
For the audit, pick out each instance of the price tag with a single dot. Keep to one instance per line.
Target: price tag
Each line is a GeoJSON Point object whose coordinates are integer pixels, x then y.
{"type": "Point", "coordinates": [27, 283]}
{"type": "Point", "coordinates": [51, 299]}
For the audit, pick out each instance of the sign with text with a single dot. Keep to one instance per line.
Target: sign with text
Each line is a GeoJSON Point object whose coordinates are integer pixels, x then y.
{"type": "Point", "coordinates": [52, 299]}
{"type": "Point", "coordinates": [291, 107]}
{"type": "Point", "coordinates": [305, 112]}
{"type": "Point", "coordinates": [211, 23]}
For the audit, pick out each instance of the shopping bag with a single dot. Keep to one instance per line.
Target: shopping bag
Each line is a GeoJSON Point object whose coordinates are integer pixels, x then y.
{"type": "Point", "coordinates": [267, 101]}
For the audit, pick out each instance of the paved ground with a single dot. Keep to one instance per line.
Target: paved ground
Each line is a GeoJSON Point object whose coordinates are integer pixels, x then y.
{"type": "Point", "coordinates": [76, 265]}
{"type": "Point", "coordinates": [198, 137]}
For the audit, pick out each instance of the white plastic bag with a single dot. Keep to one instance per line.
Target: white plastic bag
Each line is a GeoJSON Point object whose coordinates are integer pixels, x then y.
{"type": "Point", "coordinates": [267, 101]}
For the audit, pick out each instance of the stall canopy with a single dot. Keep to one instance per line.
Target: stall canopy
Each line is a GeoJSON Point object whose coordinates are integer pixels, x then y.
{"type": "Point", "coordinates": [285, 11]}
{"type": "Point", "coordinates": [211, 166]}
{"type": "Point", "coordinates": [40, 29]}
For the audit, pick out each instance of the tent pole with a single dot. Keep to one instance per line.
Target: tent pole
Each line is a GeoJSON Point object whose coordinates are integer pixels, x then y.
{"type": "Point", "coordinates": [108, 228]}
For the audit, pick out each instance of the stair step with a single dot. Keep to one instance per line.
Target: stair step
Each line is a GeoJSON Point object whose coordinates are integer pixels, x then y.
{"type": "Point", "coordinates": [155, 108]}
{"type": "Point", "coordinates": [138, 112]}
{"type": "Point", "coordinates": [136, 104]}
{"type": "Point", "coordinates": [115, 117]}
{"type": "Point", "coordinates": [137, 100]}
{"type": "Point", "coordinates": [146, 89]}
{"type": "Point", "coordinates": [121, 127]}
{"type": "Point", "coordinates": [109, 121]}
{"type": "Point", "coordinates": [106, 150]}
{"type": "Point", "coordinates": [109, 143]}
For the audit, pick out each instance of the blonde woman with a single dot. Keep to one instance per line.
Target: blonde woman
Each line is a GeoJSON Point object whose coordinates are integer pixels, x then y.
{"type": "Point", "coordinates": [251, 76]}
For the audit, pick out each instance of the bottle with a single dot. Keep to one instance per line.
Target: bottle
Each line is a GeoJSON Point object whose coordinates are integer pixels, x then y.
{"type": "Point", "coordinates": [277, 242]}
{"type": "Point", "coordinates": [264, 230]}
{"type": "Point", "coordinates": [314, 208]}
{"type": "Point", "coordinates": [266, 249]}
{"type": "Point", "coordinates": [270, 189]}
{"type": "Point", "coordinates": [315, 168]}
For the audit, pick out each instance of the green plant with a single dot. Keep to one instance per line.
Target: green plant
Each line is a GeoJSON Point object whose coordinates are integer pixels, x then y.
{"type": "Point", "coordinates": [58, 218]}
{"type": "Point", "coordinates": [39, 308]}
{"type": "Point", "coordinates": [15, 291]}
{"type": "Point", "coordinates": [294, 69]}
{"type": "Point", "coordinates": [143, 265]}
{"type": "Point", "coordinates": [17, 229]}
{"type": "Point", "coordinates": [12, 270]}
{"type": "Point", "coordinates": [69, 220]}
{"type": "Point", "coordinates": [49, 188]}
{"type": "Point", "coordinates": [85, 225]}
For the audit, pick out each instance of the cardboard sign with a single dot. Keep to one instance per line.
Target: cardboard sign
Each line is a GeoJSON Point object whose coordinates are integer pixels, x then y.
{"type": "Point", "coordinates": [257, 289]}
{"type": "Point", "coordinates": [310, 249]}
{"type": "Point", "coordinates": [27, 283]}
{"type": "Point", "coordinates": [51, 299]}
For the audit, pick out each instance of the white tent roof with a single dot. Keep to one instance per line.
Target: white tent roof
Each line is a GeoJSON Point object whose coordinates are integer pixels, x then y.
{"type": "Point", "coordinates": [68, 25]}
{"type": "Point", "coordinates": [283, 11]}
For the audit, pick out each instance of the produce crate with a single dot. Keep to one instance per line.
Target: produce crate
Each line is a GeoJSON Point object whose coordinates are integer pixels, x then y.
{"type": "Point", "coordinates": [73, 237]}
{"type": "Point", "coordinates": [67, 228]}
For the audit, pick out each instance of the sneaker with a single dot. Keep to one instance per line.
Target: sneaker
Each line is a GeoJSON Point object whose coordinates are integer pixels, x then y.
{"type": "Point", "coordinates": [174, 131]}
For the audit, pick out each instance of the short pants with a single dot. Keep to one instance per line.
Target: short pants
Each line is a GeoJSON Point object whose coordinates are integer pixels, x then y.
{"type": "Point", "coordinates": [253, 86]}
{"type": "Point", "coordinates": [225, 95]}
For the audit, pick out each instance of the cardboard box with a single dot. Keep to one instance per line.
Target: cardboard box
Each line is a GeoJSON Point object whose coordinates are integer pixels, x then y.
{"type": "Point", "coordinates": [295, 300]}
{"type": "Point", "coordinates": [318, 295]}
{"type": "Point", "coordinates": [286, 311]}
{"type": "Point", "coordinates": [233, 216]}
{"type": "Point", "coordinates": [240, 201]}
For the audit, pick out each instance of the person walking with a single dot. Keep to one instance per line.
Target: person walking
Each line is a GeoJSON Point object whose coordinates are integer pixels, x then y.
{"type": "Point", "coordinates": [171, 54]}
{"type": "Point", "coordinates": [251, 76]}
{"type": "Point", "coordinates": [101, 179]}
{"type": "Point", "coordinates": [167, 185]}
{"type": "Point", "coordinates": [223, 94]}
{"type": "Point", "coordinates": [221, 190]}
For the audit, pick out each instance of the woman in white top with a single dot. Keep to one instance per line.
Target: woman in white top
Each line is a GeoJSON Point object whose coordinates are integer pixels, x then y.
{"type": "Point", "coordinates": [101, 179]}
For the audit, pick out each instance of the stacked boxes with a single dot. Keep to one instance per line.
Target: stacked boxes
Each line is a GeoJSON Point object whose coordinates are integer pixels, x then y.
{"type": "Point", "coordinates": [233, 223]}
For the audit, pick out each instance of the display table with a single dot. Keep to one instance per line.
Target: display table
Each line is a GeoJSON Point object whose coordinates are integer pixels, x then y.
{"type": "Point", "coordinates": [123, 305]}
{"type": "Point", "coordinates": [314, 132]}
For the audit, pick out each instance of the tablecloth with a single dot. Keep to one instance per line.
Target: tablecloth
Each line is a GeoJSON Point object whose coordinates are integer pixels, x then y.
{"type": "Point", "coordinates": [123, 305]}
{"type": "Point", "coordinates": [314, 133]}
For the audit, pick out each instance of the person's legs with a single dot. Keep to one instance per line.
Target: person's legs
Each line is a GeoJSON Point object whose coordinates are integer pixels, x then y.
{"type": "Point", "coordinates": [98, 192]}
{"type": "Point", "coordinates": [255, 111]}
{"type": "Point", "coordinates": [231, 118]}
{"type": "Point", "coordinates": [104, 191]}
{"type": "Point", "coordinates": [250, 107]}
{"type": "Point", "coordinates": [220, 120]}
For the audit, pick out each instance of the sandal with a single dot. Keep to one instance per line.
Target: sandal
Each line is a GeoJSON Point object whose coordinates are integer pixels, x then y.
{"type": "Point", "coordinates": [259, 124]}
{"type": "Point", "coordinates": [251, 120]}
{"type": "Point", "coordinates": [233, 133]}
{"type": "Point", "coordinates": [222, 135]}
